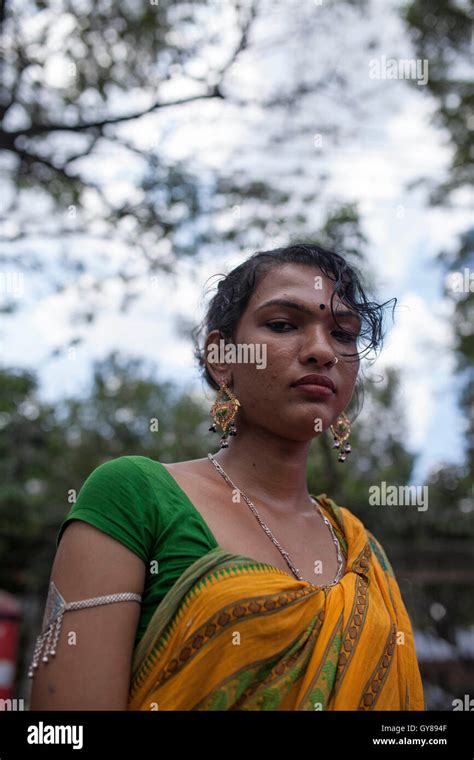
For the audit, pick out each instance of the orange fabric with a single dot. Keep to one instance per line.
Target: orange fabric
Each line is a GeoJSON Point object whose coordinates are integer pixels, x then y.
{"type": "Point", "coordinates": [244, 635]}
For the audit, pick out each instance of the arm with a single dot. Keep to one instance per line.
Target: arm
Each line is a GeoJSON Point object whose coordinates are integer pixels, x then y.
{"type": "Point", "coordinates": [92, 666]}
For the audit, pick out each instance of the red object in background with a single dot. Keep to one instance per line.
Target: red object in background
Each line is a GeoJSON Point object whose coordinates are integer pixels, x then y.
{"type": "Point", "coordinates": [10, 617]}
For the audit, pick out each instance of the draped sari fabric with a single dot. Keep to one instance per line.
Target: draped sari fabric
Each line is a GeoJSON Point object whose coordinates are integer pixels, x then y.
{"type": "Point", "coordinates": [237, 634]}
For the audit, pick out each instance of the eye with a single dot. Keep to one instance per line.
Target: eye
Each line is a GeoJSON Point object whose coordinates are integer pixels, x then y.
{"type": "Point", "coordinates": [280, 323]}
{"type": "Point", "coordinates": [345, 337]}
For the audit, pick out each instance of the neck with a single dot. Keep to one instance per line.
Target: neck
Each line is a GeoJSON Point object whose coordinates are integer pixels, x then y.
{"type": "Point", "coordinates": [268, 468]}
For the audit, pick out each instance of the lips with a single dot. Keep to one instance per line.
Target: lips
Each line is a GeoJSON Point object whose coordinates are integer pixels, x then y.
{"type": "Point", "coordinates": [318, 380]}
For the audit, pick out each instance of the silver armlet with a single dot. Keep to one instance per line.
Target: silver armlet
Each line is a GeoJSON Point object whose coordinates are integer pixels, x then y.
{"type": "Point", "coordinates": [55, 608]}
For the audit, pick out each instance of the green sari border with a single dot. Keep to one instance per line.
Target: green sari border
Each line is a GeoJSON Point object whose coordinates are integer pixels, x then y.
{"type": "Point", "coordinates": [156, 633]}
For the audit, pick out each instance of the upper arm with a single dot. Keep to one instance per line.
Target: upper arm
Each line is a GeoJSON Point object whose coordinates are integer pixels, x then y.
{"type": "Point", "coordinates": [92, 666]}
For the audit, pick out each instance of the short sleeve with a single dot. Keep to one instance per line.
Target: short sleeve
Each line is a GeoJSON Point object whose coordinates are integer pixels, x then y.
{"type": "Point", "coordinates": [116, 498]}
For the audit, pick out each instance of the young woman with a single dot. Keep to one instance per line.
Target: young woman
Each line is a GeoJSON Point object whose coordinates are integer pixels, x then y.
{"type": "Point", "coordinates": [252, 593]}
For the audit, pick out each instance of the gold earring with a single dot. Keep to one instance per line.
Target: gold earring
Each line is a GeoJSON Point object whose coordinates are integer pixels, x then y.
{"type": "Point", "coordinates": [341, 431]}
{"type": "Point", "coordinates": [223, 413]}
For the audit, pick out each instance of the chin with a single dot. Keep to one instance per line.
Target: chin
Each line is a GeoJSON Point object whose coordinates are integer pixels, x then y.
{"type": "Point", "coordinates": [306, 419]}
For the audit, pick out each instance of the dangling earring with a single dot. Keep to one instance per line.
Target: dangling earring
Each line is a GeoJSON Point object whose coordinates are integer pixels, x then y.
{"type": "Point", "coordinates": [223, 413]}
{"type": "Point", "coordinates": [341, 431]}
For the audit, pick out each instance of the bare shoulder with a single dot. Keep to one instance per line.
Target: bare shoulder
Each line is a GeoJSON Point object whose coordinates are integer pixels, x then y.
{"type": "Point", "coordinates": [191, 467]}
{"type": "Point", "coordinates": [196, 476]}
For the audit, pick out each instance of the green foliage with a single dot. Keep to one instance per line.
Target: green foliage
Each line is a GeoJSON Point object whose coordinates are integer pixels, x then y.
{"type": "Point", "coordinates": [441, 31]}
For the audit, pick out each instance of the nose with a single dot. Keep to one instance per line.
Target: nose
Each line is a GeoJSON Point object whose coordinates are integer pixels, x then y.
{"type": "Point", "coordinates": [317, 348]}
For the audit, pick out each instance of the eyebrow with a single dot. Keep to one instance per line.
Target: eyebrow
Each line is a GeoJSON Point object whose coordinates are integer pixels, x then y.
{"type": "Point", "coordinates": [301, 307]}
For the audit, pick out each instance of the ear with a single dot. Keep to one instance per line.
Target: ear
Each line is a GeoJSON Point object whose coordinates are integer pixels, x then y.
{"type": "Point", "coordinates": [214, 347]}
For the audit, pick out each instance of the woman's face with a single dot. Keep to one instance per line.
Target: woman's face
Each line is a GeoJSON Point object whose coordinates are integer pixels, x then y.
{"type": "Point", "coordinates": [300, 340]}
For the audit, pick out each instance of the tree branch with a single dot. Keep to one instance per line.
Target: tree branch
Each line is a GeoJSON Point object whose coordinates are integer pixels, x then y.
{"type": "Point", "coordinates": [39, 129]}
{"type": "Point", "coordinates": [213, 92]}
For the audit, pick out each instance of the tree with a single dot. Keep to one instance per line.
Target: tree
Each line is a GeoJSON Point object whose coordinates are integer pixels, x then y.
{"type": "Point", "coordinates": [441, 31]}
{"type": "Point", "coordinates": [92, 97]}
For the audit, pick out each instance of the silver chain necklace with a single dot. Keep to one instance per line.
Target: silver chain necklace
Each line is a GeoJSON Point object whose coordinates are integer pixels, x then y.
{"type": "Point", "coordinates": [267, 530]}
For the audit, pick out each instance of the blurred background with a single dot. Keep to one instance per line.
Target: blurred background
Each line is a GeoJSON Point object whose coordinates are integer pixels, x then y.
{"type": "Point", "coordinates": [147, 147]}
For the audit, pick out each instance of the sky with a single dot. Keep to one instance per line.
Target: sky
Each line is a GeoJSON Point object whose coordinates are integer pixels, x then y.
{"type": "Point", "coordinates": [396, 145]}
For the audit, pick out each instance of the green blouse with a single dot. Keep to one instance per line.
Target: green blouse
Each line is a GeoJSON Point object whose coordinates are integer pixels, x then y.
{"type": "Point", "coordinates": [135, 500]}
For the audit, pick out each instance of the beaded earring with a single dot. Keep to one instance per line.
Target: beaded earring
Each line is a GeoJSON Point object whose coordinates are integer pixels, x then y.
{"type": "Point", "coordinates": [341, 431]}
{"type": "Point", "coordinates": [223, 412]}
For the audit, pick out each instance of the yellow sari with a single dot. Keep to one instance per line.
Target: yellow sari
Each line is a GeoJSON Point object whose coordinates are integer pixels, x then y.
{"type": "Point", "coordinates": [237, 634]}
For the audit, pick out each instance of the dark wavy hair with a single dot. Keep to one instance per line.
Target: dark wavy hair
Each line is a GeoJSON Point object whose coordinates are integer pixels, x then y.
{"type": "Point", "coordinates": [235, 289]}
